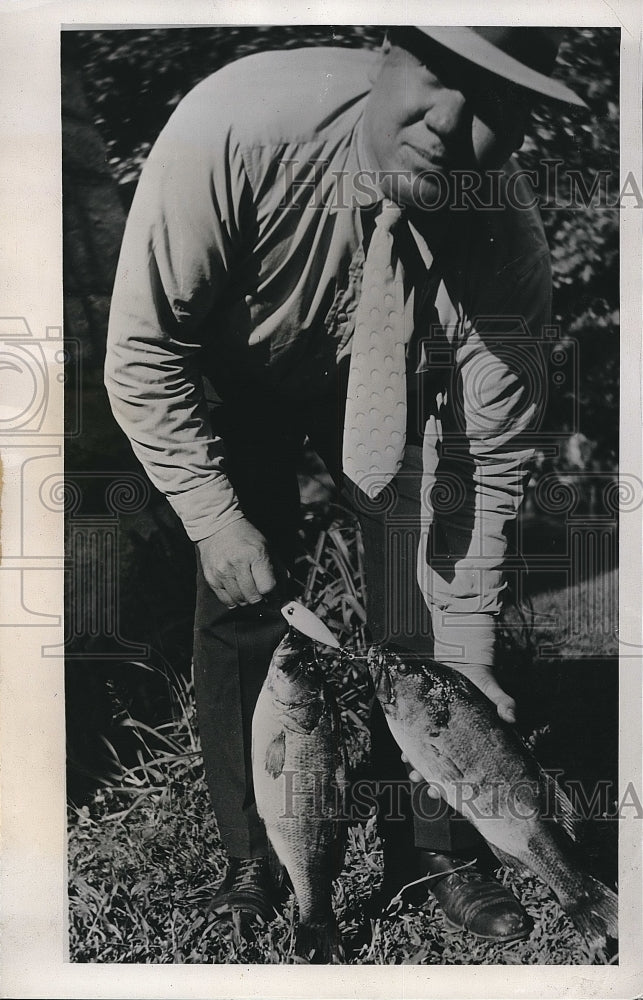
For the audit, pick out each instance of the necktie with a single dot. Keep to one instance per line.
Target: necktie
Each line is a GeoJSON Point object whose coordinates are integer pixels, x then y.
{"type": "Point", "coordinates": [375, 420]}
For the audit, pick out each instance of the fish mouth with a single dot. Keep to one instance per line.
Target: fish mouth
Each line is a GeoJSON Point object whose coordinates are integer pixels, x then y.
{"type": "Point", "coordinates": [295, 678]}
{"type": "Point", "coordinates": [378, 669]}
{"type": "Point", "coordinates": [294, 654]}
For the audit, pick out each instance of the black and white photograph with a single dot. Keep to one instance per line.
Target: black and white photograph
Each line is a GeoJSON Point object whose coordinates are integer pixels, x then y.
{"type": "Point", "coordinates": [347, 661]}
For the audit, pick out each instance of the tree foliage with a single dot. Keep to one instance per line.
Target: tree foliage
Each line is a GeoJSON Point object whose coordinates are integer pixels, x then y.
{"type": "Point", "coordinates": [584, 238]}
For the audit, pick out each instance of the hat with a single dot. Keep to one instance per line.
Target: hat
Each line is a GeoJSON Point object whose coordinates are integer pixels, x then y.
{"type": "Point", "coordinates": [526, 56]}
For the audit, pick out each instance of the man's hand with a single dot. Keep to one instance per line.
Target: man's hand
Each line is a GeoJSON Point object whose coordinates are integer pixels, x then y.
{"type": "Point", "coordinates": [484, 679]}
{"type": "Point", "coordinates": [236, 564]}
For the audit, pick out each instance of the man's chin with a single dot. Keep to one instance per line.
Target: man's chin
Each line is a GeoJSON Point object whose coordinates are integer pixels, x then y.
{"type": "Point", "coordinates": [425, 190]}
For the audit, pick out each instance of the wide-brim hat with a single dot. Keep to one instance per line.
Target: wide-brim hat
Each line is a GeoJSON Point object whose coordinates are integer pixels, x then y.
{"type": "Point", "coordinates": [523, 55]}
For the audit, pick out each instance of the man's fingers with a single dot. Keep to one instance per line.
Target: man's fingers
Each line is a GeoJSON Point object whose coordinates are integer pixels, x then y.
{"type": "Point", "coordinates": [241, 587]}
{"type": "Point", "coordinates": [264, 577]}
{"type": "Point", "coordinates": [223, 596]}
{"type": "Point", "coordinates": [506, 706]}
{"type": "Point", "coordinates": [483, 678]}
{"type": "Point", "coordinates": [416, 778]}
{"type": "Point", "coordinates": [247, 586]}
{"type": "Point", "coordinates": [507, 709]}
{"type": "Point", "coordinates": [236, 564]}
{"type": "Point", "coordinates": [232, 595]}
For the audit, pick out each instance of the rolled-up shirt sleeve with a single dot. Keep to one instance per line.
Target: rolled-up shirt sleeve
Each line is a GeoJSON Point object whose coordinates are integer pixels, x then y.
{"type": "Point", "coordinates": [477, 450]}
{"type": "Point", "coordinates": [181, 240]}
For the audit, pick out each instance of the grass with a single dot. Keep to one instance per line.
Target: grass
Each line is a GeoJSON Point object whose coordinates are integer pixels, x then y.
{"type": "Point", "coordinates": [145, 855]}
{"type": "Point", "coordinates": [580, 621]}
{"type": "Point", "coordinates": [140, 881]}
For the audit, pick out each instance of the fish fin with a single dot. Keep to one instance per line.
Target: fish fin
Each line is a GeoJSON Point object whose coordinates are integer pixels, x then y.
{"type": "Point", "coordinates": [276, 755]}
{"type": "Point", "coordinates": [448, 766]}
{"type": "Point", "coordinates": [319, 944]}
{"type": "Point", "coordinates": [564, 813]}
{"type": "Point", "coordinates": [342, 764]}
{"type": "Point", "coordinates": [342, 768]}
{"type": "Point", "coordinates": [277, 870]}
{"type": "Point", "coordinates": [510, 861]}
{"type": "Point", "coordinates": [341, 783]}
{"type": "Point", "coordinates": [596, 917]}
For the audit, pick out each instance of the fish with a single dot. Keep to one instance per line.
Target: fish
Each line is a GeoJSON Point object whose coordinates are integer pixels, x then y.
{"type": "Point", "coordinates": [300, 777]}
{"type": "Point", "coordinates": [452, 735]}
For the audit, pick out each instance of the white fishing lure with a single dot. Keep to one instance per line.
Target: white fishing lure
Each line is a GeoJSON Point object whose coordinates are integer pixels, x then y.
{"type": "Point", "coordinates": [308, 624]}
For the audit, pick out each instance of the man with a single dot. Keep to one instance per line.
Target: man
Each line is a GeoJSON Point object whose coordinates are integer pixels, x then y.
{"type": "Point", "coordinates": [300, 236]}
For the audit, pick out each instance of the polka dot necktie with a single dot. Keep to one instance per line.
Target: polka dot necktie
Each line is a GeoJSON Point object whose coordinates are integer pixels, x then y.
{"type": "Point", "coordinates": [375, 420]}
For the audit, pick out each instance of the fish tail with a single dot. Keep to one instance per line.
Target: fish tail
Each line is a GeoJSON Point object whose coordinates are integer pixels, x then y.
{"type": "Point", "coordinates": [596, 915]}
{"type": "Point", "coordinates": [319, 944]}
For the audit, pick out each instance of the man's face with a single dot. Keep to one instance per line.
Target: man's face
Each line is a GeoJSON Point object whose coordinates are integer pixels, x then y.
{"type": "Point", "coordinates": [431, 112]}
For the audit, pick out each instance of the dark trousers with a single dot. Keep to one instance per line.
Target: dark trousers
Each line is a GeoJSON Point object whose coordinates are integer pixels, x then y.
{"type": "Point", "coordinates": [232, 648]}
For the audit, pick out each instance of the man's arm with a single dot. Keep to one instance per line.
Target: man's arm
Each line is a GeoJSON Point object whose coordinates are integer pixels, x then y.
{"type": "Point", "coordinates": [475, 472]}
{"type": "Point", "coordinates": [181, 242]}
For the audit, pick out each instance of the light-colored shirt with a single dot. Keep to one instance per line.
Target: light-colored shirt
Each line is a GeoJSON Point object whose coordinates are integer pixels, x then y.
{"type": "Point", "coordinates": [241, 261]}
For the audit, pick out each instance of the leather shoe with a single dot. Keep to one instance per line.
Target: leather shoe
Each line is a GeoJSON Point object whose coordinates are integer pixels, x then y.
{"type": "Point", "coordinates": [247, 889]}
{"type": "Point", "coordinates": [475, 902]}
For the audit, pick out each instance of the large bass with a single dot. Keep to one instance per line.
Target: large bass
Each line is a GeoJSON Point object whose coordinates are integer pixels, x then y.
{"type": "Point", "coordinates": [452, 735]}
{"type": "Point", "coordinates": [299, 774]}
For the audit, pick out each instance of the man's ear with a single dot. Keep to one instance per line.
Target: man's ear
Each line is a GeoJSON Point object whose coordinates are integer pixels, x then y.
{"type": "Point", "coordinates": [376, 67]}
{"type": "Point", "coordinates": [520, 132]}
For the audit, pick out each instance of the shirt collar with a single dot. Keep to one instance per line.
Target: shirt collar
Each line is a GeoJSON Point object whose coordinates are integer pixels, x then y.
{"type": "Point", "coordinates": [358, 189]}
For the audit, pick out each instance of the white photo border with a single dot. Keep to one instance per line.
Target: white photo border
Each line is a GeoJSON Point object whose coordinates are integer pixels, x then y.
{"type": "Point", "coordinates": [33, 878]}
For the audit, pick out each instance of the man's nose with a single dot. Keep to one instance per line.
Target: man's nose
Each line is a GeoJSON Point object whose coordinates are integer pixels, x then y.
{"type": "Point", "coordinates": [448, 113]}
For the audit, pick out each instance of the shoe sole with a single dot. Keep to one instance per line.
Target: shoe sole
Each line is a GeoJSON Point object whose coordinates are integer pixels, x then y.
{"type": "Point", "coordinates": [243, 911]}
{"type": "Point", "coordinates": [507, 939]}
